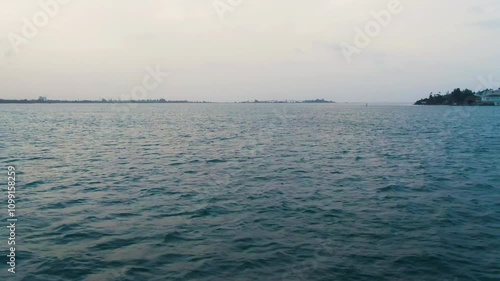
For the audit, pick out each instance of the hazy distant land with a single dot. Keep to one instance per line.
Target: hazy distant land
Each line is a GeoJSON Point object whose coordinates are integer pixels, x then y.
{"type": "Point", "coordinates": [47, 101]}
{"type": "Point", "coordinates": [290, 101]}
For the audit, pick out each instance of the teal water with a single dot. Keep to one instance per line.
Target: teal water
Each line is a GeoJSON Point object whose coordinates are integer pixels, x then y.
{"type": "Point", "coordinates": [254, 192]}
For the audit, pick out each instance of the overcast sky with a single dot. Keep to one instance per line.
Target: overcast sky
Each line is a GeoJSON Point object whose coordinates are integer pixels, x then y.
{"type": "Point", "coordinates": [255, 49]}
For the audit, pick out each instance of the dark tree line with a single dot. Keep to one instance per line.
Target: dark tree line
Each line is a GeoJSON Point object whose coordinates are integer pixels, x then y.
{"type": "Point", "coordinates": [457, 97]}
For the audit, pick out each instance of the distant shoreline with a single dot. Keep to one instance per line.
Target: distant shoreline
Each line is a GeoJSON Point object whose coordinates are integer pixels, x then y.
{"type": "Point", "coordinates": [290, 101]}
{"type": "Point", "coordinates": [162, 101]}
{"type": "Point", "coordinates": [3, 101]}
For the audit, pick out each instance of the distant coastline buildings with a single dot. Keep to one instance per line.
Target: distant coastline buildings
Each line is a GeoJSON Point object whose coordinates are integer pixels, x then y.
{"type": "Point", "coordinates": [490, 96]}
{"type": "Point", "coordinates": [45, 100]}
{"type": "Point", "coordinates": [290, 101]}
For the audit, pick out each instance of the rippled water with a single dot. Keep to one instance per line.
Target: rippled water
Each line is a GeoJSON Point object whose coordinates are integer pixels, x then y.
{"type": "Point", "coordinates": [254, 192]}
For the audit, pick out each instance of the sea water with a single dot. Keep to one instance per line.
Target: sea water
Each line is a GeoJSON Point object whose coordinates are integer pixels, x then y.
{"type": "Point", "coordinates": [253, 192]}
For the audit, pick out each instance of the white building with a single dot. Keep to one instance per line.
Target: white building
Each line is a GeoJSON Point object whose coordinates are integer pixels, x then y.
{"type": "Point", "coordinates": [491, 96]}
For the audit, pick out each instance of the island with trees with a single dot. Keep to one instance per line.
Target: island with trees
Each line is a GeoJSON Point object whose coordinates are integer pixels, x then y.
{"type": "Point", "coordinates": [456, 97]}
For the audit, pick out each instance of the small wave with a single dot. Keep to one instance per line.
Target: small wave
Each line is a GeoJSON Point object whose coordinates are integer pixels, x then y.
{"type": "Point", "coordinates": [79, 236]}
{"type": "Point", "coordinates": [116, 243]}
{"type": "Point", "coordinates": [209, 211]}
{"type": "Point", "coordinates": [172, 237]}
{"type": "Point", "coordinates": [34, 183]}
{"type": "Point", "coordinates": [392, 188]}
{"type": "Point", "coordinates": [215, 161]}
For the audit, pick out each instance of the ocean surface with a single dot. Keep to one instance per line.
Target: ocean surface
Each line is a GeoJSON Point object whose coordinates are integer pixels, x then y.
{"type": "Point", "coordinates": [253, 192]}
